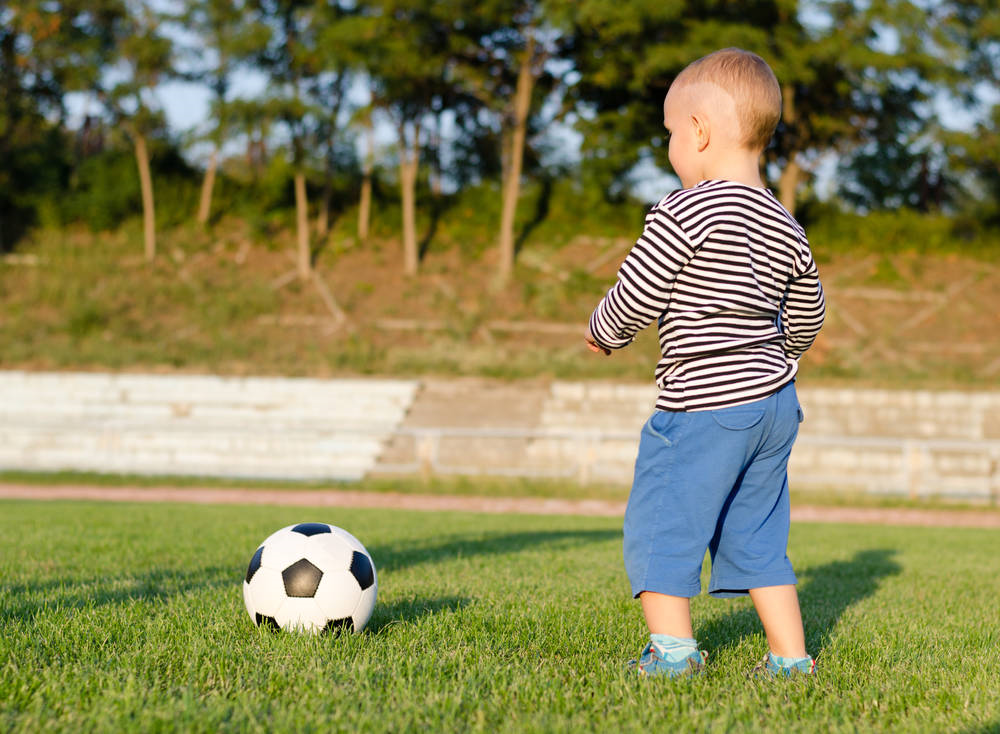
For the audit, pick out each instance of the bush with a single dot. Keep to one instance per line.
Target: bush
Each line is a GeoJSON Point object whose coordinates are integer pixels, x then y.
{"type": "Point", "coordinates": [832, 231]}
{"type": "Point", "coordinates": [104, 189]}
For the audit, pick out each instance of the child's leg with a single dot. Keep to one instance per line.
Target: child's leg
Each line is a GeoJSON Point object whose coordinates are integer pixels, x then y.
{"type": "Point", "coordinates": [667, 615]}
{"type": "Point", "coordinates": [778, 609]}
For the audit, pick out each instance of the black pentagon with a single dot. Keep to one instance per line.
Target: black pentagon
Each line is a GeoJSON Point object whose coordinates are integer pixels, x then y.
{"type": "Point", "coordinates": [269, 623]}
{"type": "Point", "coordinates": [361, 568]}
{"type": "Point", "coordinates": [301, 579]}
{"type": "Point", "coordinates": [311, 528]}
{"type": "Point", "coordinates": [337, 626]}
{"type": "Point", "coordinates": [254, 563]}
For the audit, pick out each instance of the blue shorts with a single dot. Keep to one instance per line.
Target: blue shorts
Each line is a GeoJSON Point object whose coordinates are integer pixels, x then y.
{"type": "Point", "coordinates": [714, 479]}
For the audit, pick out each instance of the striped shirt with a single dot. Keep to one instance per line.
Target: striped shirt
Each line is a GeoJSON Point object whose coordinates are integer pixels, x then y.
{"type": "Point", "coordinates": [728, 275]}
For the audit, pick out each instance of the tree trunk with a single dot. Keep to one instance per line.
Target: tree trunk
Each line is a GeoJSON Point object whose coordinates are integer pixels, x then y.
{"type": "Point", "coordinates": [302, 226]}
{"type": "Point", "coordinates": [435, 175]}
{"type": "Point", "coordinates": [148, 209]}
{"type": "Point", "coordinates": [512, 176]}
{"type": "Point", "coordinates": [365, 205]}
{"type": "Point", "coordinates": [408, 185]}
{"type": "Point", "coordinates": [409, 157]}
{"type": "Point", "coordinates": [323, 217]}
{"type": "Point", "coordinates": [788, 183]}
{"type": "Point", "coordinates": [205, 202]}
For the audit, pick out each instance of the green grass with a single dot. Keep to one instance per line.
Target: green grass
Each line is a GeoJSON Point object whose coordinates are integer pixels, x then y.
{"type": "Point", "coordinates": [130, 617]}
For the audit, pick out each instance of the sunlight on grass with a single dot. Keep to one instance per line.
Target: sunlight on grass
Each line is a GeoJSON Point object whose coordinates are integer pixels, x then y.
{"type": "Point", "coordinates": [129, 616]}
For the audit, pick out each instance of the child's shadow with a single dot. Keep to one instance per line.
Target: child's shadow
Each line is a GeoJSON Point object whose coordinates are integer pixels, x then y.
{"type": "Point", "coordinates": [829, 590]}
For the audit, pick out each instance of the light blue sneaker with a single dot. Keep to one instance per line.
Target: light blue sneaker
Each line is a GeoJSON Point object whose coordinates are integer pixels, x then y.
{"type": "Point", "coordinates": [768, 667]}
{"type": "Point", "coordinates": [653, 665]}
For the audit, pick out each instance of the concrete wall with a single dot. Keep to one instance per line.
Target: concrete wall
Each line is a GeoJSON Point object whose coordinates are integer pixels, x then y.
{"type": "Point", "coordinates": [198, 425]}
{"type": "Point", "coordinates": [916, 443]}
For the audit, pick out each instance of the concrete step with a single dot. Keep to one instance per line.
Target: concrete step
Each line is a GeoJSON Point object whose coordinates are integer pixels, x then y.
{"type": "Point", "coordinates": [198, 425]}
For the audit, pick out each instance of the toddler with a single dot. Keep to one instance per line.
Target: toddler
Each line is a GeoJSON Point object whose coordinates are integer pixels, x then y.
{"type": "Point", "coordinates": [727, 274]}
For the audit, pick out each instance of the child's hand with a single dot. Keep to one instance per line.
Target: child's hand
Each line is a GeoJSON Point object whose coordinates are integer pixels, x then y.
{"type": "Point", "coordinates": [593, 346]}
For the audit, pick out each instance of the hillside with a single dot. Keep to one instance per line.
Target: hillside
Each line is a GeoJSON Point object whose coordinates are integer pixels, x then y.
{"type": "Point", "coordinates": [227, 301]}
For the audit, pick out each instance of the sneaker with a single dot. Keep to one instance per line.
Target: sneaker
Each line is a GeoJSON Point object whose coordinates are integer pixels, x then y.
{"type": "Point", "coordinates": [768, 668]}
{"type": "Point", "coordinates": [651, 664]}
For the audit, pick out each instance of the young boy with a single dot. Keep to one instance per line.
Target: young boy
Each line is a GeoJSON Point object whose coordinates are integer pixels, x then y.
{"type": "Point", "coordinates": [728, 275]}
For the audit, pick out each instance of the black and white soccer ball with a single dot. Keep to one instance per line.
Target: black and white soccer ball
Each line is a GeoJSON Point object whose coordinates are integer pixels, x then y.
{"type": "Point", "coordinates": [311, 577]}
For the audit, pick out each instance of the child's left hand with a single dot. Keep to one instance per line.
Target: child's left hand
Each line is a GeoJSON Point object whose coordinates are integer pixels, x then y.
{"type": "Point", "coordinates": [593, 346]}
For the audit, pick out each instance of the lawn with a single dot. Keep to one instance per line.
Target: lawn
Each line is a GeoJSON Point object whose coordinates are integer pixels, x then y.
{"type": "Point", "coordinates": [130, 617]}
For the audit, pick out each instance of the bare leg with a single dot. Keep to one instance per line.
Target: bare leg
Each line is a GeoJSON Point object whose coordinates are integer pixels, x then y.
{"type": "Point", "coordinates": [667, 615]}
{"type": "Point", "coordinates": [778, 609]}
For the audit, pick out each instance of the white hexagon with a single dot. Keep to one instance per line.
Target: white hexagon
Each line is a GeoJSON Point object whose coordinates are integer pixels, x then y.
{"type": "Point", "coordinates": [282, 550]}
{"type": "Point", "coordinates": [366, 604]}
{"type": "Point", "coordinates": [338, 594]}
{"type": "Point", "coordinates": [328, 551]}
{"type": "Point", "coordinates": [267, 592]}
{"type": "Point", "coordinates": [349, 539]}
{"type": "Point", "coordinates": [248, 600]}
{"type": "Point", "coordinates": [278, 533]}
{"type": "Point", "coordinates": [298, 614]}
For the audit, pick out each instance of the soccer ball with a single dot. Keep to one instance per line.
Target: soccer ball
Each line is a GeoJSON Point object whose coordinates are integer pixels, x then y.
{"type": "Point", "coordinates": [311, 577]}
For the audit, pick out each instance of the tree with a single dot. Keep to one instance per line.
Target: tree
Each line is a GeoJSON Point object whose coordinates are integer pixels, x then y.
{"type": "Point", "coordinates": [504, 66]}
{"type": "Point", "coordinates": [289, 59]}
{"type": "Point", "coordinates": [882, 127]}
{"type": "Point", "coordinates": [835, 71]}
{"type": "Point", "coordinates": [367, 172]}
{"type": "Point", "coordinates": [411, 77]}
{"type": "Point", "coordinates": [341, 48]}
{"type": "Point", "coordinates": [46, 50]}
{"type": "Point", "coordinates": [143, 54]}
{"type": "Point", "coordinates": [974, 25]}
{"type": "Point", "coordinates": [225, 42]}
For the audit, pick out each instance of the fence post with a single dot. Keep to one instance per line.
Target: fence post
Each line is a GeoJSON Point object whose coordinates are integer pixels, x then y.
{"type": "Point", "coordinates": [588, 457]}
{"type": "Point", "coordinates": [994, 480]}
{"type": "Point", "coordinates": [913, 460]}
{"type": "Point", "coordinates": [427, 453]}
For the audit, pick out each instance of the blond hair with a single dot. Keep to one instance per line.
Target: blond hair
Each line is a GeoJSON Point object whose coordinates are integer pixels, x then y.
{"type": "Point", "coordinates": [748, 79]}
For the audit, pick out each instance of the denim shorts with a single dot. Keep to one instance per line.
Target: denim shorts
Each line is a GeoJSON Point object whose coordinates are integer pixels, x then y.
{"type": "Point", "coordinates": [716, 480]}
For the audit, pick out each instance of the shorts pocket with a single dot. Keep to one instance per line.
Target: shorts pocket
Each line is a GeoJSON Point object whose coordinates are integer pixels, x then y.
{"type": "Point", "coordinates": [666, 425]}
{"type": "Point", "coordinates": [736, 419]}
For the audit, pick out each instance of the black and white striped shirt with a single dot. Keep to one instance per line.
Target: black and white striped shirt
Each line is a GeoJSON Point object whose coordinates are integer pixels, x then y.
{"type": "Point", "coordinates": [728, 274]}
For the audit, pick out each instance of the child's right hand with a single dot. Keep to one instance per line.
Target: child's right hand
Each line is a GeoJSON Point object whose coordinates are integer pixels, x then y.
{"type": "Point", "coordinates": [593, 346]}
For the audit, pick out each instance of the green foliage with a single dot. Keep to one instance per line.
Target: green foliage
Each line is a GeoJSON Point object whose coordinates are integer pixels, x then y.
{"type": "Point", "coordinates": [834, 231]}
{"type": "Point", "coordinates": [35, 170]}
{"type": "Point", "coordinates": [858, 78]}
{"type": "Point", "coordinates": [130, 616]}
{"type": "Point", "coordinates": [103, 191]}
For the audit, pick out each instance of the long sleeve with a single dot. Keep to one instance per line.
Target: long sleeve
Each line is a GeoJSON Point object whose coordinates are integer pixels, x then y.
{"type": "Point", "coordinates": [803, 310]}
{"type": "Point", "coordinates": [645, 281]}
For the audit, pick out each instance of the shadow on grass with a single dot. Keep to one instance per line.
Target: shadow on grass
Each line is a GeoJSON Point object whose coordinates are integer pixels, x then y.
{"type": "Point", "coordinates": [828, 591]}
{"type": "Point", "coordinates": [23, 601]}
{"type": "Point", "coordinates": [411, 610]}
{"type": "Point", "coordinates": [395, 557]}
{"type": "Point", "coordinates": [542, 206]}
{"type": "Point", "coordinates": [439, 205]}
{"type": "Point", "coordinates": [993, 728]}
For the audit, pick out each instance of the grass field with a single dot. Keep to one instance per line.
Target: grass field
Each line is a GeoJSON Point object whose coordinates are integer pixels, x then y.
{"type": "Point", "coordinates": [129, 617]}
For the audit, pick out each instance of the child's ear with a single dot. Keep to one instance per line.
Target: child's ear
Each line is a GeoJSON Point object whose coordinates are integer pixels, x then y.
{"type": "Point", "coordinates": [701, 132]}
